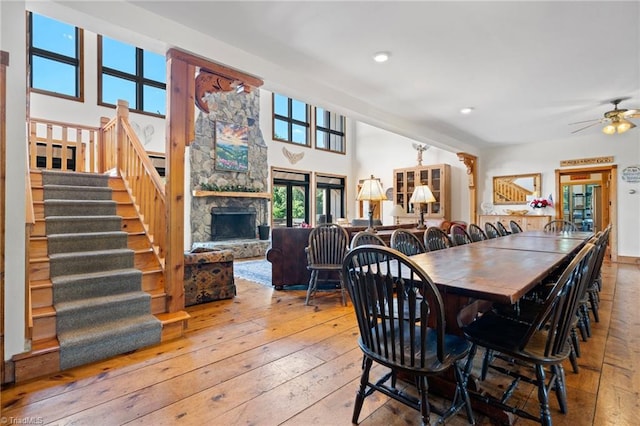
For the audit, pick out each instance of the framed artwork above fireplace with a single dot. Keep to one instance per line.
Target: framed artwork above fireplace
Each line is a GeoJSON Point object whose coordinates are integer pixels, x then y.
{"type": "Point", "coordinates": [231, 147]}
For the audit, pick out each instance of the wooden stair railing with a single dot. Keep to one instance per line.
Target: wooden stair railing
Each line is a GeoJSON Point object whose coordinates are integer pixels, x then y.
{"type": "Point", "coordinates": [121, 150]}
{"type": "Point", "coordinates": [512, 192]}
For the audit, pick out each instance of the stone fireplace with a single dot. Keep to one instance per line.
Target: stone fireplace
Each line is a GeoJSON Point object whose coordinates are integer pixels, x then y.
{"type": "Point", "coordinates": [241, 109]}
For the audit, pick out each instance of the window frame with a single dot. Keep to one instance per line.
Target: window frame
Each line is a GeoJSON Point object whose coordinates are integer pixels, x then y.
{"type": "Point", "coordinates": [138, 79]}
{"type": "Point", "coordinates": [291, 121]}
{"type": "Point", "coordinates": [326, 188]}
{"type": "Point", "coordinates": [329, 130]}
{"type": "Point", "coordinates": [77, 62]}
{"type": "Point", "coordinates": [304, 182]}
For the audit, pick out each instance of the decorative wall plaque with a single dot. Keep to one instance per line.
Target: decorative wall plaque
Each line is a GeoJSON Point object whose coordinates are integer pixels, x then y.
{"type": "Point", "coordinates": [584, 161]}
{"type": "Point", "coordinates": [631, 174]}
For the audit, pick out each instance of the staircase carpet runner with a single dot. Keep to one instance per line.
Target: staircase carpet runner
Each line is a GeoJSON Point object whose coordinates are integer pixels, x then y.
{"type": "Point", "coordinates": [101, 310]}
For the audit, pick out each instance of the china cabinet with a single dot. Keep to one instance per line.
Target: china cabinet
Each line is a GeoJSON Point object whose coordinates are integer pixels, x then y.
{"type": "Point", "coordinates": [437, 177]}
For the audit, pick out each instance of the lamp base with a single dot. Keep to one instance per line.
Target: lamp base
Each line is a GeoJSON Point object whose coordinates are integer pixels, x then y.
{"type": "Point", "coordinates": [371, 229]}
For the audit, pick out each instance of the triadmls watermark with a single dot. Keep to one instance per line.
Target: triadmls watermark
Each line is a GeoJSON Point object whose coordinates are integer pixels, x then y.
{"type": "Point", "coordinates": [34, 420]}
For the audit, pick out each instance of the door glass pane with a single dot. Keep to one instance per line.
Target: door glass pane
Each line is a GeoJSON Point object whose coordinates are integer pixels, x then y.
{"type": "Point", "coordinates": [298, 205]}
{"type": "Point", "coordinates": [279, 206]}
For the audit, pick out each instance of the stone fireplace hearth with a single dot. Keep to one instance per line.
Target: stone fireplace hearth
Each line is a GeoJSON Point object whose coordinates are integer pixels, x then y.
{"type": "Point", "coordinates": [241, 109]}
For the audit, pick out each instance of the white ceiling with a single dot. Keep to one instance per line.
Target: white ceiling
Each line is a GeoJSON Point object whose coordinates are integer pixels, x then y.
{"type": "Point", "coordinates": [527, 68]}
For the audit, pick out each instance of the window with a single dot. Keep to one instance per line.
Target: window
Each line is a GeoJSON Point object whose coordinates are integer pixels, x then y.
{"type": "Point", "coordinates": [290, 198]}
{"type": "Point", "coordinates": [132, 74]}
{"type": "Point", "coordinates": [329, 131]}
{"type": "Point", "coordinates": [290, 120]}
{"type": "Point", "coordinates": [55, 57]}
{"type": "Point", "coordinates": [330, 198]}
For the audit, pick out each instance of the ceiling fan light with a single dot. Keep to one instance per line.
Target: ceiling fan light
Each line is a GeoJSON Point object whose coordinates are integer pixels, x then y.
{"type": "Point", "coordinates": [609, 129]}
{"type": "Point", "coordinates": [623, 125]}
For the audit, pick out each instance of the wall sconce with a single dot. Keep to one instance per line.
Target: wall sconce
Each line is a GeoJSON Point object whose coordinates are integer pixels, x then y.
{"type": "Point", "coordinates": [422, 194]}
{"type": "Point", "coordinates": [371, 190]}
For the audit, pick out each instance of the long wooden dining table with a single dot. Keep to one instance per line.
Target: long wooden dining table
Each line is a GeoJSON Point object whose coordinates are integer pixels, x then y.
{"type": "Point", "coordinates": [499, 270]}
{"type": "Point", "coordinates": [474, 276]}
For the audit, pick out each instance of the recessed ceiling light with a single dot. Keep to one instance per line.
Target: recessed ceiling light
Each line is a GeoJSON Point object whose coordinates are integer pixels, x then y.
{"type": "Point", "coordinates": [381, 56]}
{"type": "Point", "coordinates": [466, 110]}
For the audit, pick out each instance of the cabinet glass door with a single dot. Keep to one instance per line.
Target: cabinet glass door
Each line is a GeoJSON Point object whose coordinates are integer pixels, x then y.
{"type": "Point", "coordinates": [435, 183]}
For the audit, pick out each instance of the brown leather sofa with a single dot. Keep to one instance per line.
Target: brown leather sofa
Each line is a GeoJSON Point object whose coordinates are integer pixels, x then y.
{"type": "Point", "coordinates": [289, 260]}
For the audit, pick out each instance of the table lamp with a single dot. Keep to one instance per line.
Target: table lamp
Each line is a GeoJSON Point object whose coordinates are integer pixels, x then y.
{"type": "Point", "coordinates": [396, 212]}
{"type": "Point", "coordinates": [371, 190]}
{"type": "Point", "coordinates": [422, 194]}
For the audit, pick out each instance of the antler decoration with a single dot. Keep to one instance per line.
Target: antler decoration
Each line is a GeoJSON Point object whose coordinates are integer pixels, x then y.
{"type": "Point", "coordinates": [293, 158]}
{"type": "Point", "coordinates": [218, 78]}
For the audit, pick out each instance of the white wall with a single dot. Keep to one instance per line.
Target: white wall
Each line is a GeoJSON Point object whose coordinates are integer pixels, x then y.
{"type": "Point", "coordinates": [378, 152]}
{"type": "Point", "coordinates": [545, 158]}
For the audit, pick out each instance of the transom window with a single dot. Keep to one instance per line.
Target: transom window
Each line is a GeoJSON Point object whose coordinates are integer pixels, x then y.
{"type": "Point", "coordinates": [55, 57]}
{"type": "Point", "coordinates": [132, 74]}
{"type": "Point", "coordinates": [329, 130]}
{"type": "Point", "coordinates": [290, 120]}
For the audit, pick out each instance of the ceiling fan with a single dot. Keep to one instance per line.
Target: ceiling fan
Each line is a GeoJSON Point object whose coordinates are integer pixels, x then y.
{"type": "Point", "coordinates": [617, 120]}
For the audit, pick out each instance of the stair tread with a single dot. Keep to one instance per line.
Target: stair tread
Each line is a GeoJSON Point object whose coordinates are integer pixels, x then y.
{"type": "Point", "coordinates": [170, 317]}
{"type": "Point", "coordinates": [45, 311]}
{"type": "Point", "coordinates": [90, 253]}
{"type": "Point", "coordinates": [39, 347]}
{"type": "Point", "coordinates": [97, 274]}
{"type": "Point", "coordinates": [88, 234]}
{"type": "Point", "coordinates": [119, 326]}
{"type": "Point", "coordinates": [92, 302]}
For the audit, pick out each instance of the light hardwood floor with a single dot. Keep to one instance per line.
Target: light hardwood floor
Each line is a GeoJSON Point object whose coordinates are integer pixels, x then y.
{"type": "Point", "coordinates": [264, 358]}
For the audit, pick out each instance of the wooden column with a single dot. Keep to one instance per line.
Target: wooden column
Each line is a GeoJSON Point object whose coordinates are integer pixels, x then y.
{"type": "Point", "coordinates": [470, 161]}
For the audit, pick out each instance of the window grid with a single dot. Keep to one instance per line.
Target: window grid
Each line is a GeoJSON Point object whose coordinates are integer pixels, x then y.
{"type": "Point", "coordinates": [138, 79]}
{"type": "Point", "coordinates": [288, 126]}
{"type": "Point", "coordinates": [329, 131]}
{"type": "Point", "coordinates": [57, 58]}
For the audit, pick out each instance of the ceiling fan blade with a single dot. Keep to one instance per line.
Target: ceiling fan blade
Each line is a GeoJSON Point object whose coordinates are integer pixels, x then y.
{"type": "Point", "coordinates": [586, 127]}
{"type": "Point", "coordinates": [585, 121]}
{"type": "Point", "coordinates": [632, 113]}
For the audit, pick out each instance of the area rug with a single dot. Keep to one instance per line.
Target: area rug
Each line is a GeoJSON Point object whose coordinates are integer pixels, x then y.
{"type": "Point", "coordinates": [258, 271]}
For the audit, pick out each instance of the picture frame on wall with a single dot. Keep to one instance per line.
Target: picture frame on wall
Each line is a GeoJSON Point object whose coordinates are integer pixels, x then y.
{"type": "Point", "coordinates": [231, 147]}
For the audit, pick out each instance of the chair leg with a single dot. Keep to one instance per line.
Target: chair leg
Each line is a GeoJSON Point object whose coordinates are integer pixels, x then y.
{"type": "Point", "coordinates": [573, 357]}
{"type": "Point", "coordinates": [543, 396]}
{"type": "Point", "coordinates": [488, 357]}
{"type": "Point", "coordinates": [362, 391]}
{"type": "Point", "coordinates": [313, 283]}
{"type": "Point", "coordinates": [462, 379]}
{"type": "Point", "coordinates": [561, 390]}
{"type": "Point", "coordinates": [343, 291]}
{"type": "Point", "coordinates": [593, 301]}
{"type": "Point", "coordinates": [575, 341]}
{"type": "Point", "coordinates": [423, 390]}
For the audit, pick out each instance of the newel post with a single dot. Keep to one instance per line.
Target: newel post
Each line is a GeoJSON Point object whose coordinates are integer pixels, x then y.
{"type": "Point", "coordinates": [122, 114]}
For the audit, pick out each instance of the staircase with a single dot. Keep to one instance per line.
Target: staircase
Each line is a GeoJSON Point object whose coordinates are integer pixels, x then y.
{"type": "Point", "coordinates": [96, 284]}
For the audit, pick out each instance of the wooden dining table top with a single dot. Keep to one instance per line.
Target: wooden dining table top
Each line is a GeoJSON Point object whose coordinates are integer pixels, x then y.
{"type": "Point", "coordinates": [500, 270]}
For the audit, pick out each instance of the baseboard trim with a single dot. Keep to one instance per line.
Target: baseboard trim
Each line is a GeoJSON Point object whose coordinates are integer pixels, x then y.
{"type": "Point", "coordinates": [630, 260]}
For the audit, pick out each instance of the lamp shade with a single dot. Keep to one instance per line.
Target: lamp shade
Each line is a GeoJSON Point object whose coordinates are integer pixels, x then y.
{"type": "Point", "coordinates": [397, 210]}
{"type": "Point", "coordinates": [422, 194]}
{"type": "Point", "coordinates": [371, 190]}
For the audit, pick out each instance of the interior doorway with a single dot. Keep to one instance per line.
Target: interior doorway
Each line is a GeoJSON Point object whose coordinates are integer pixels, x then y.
{"type": "Point", "coordinates": [588, 198]}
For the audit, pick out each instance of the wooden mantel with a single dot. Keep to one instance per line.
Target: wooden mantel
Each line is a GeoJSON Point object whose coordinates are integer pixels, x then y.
{"type": "Point", "coordinates": [230, 194]}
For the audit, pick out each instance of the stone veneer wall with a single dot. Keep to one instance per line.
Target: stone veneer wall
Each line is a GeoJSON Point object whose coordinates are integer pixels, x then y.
{"type": "Point", "coordinates": [242, 109]}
